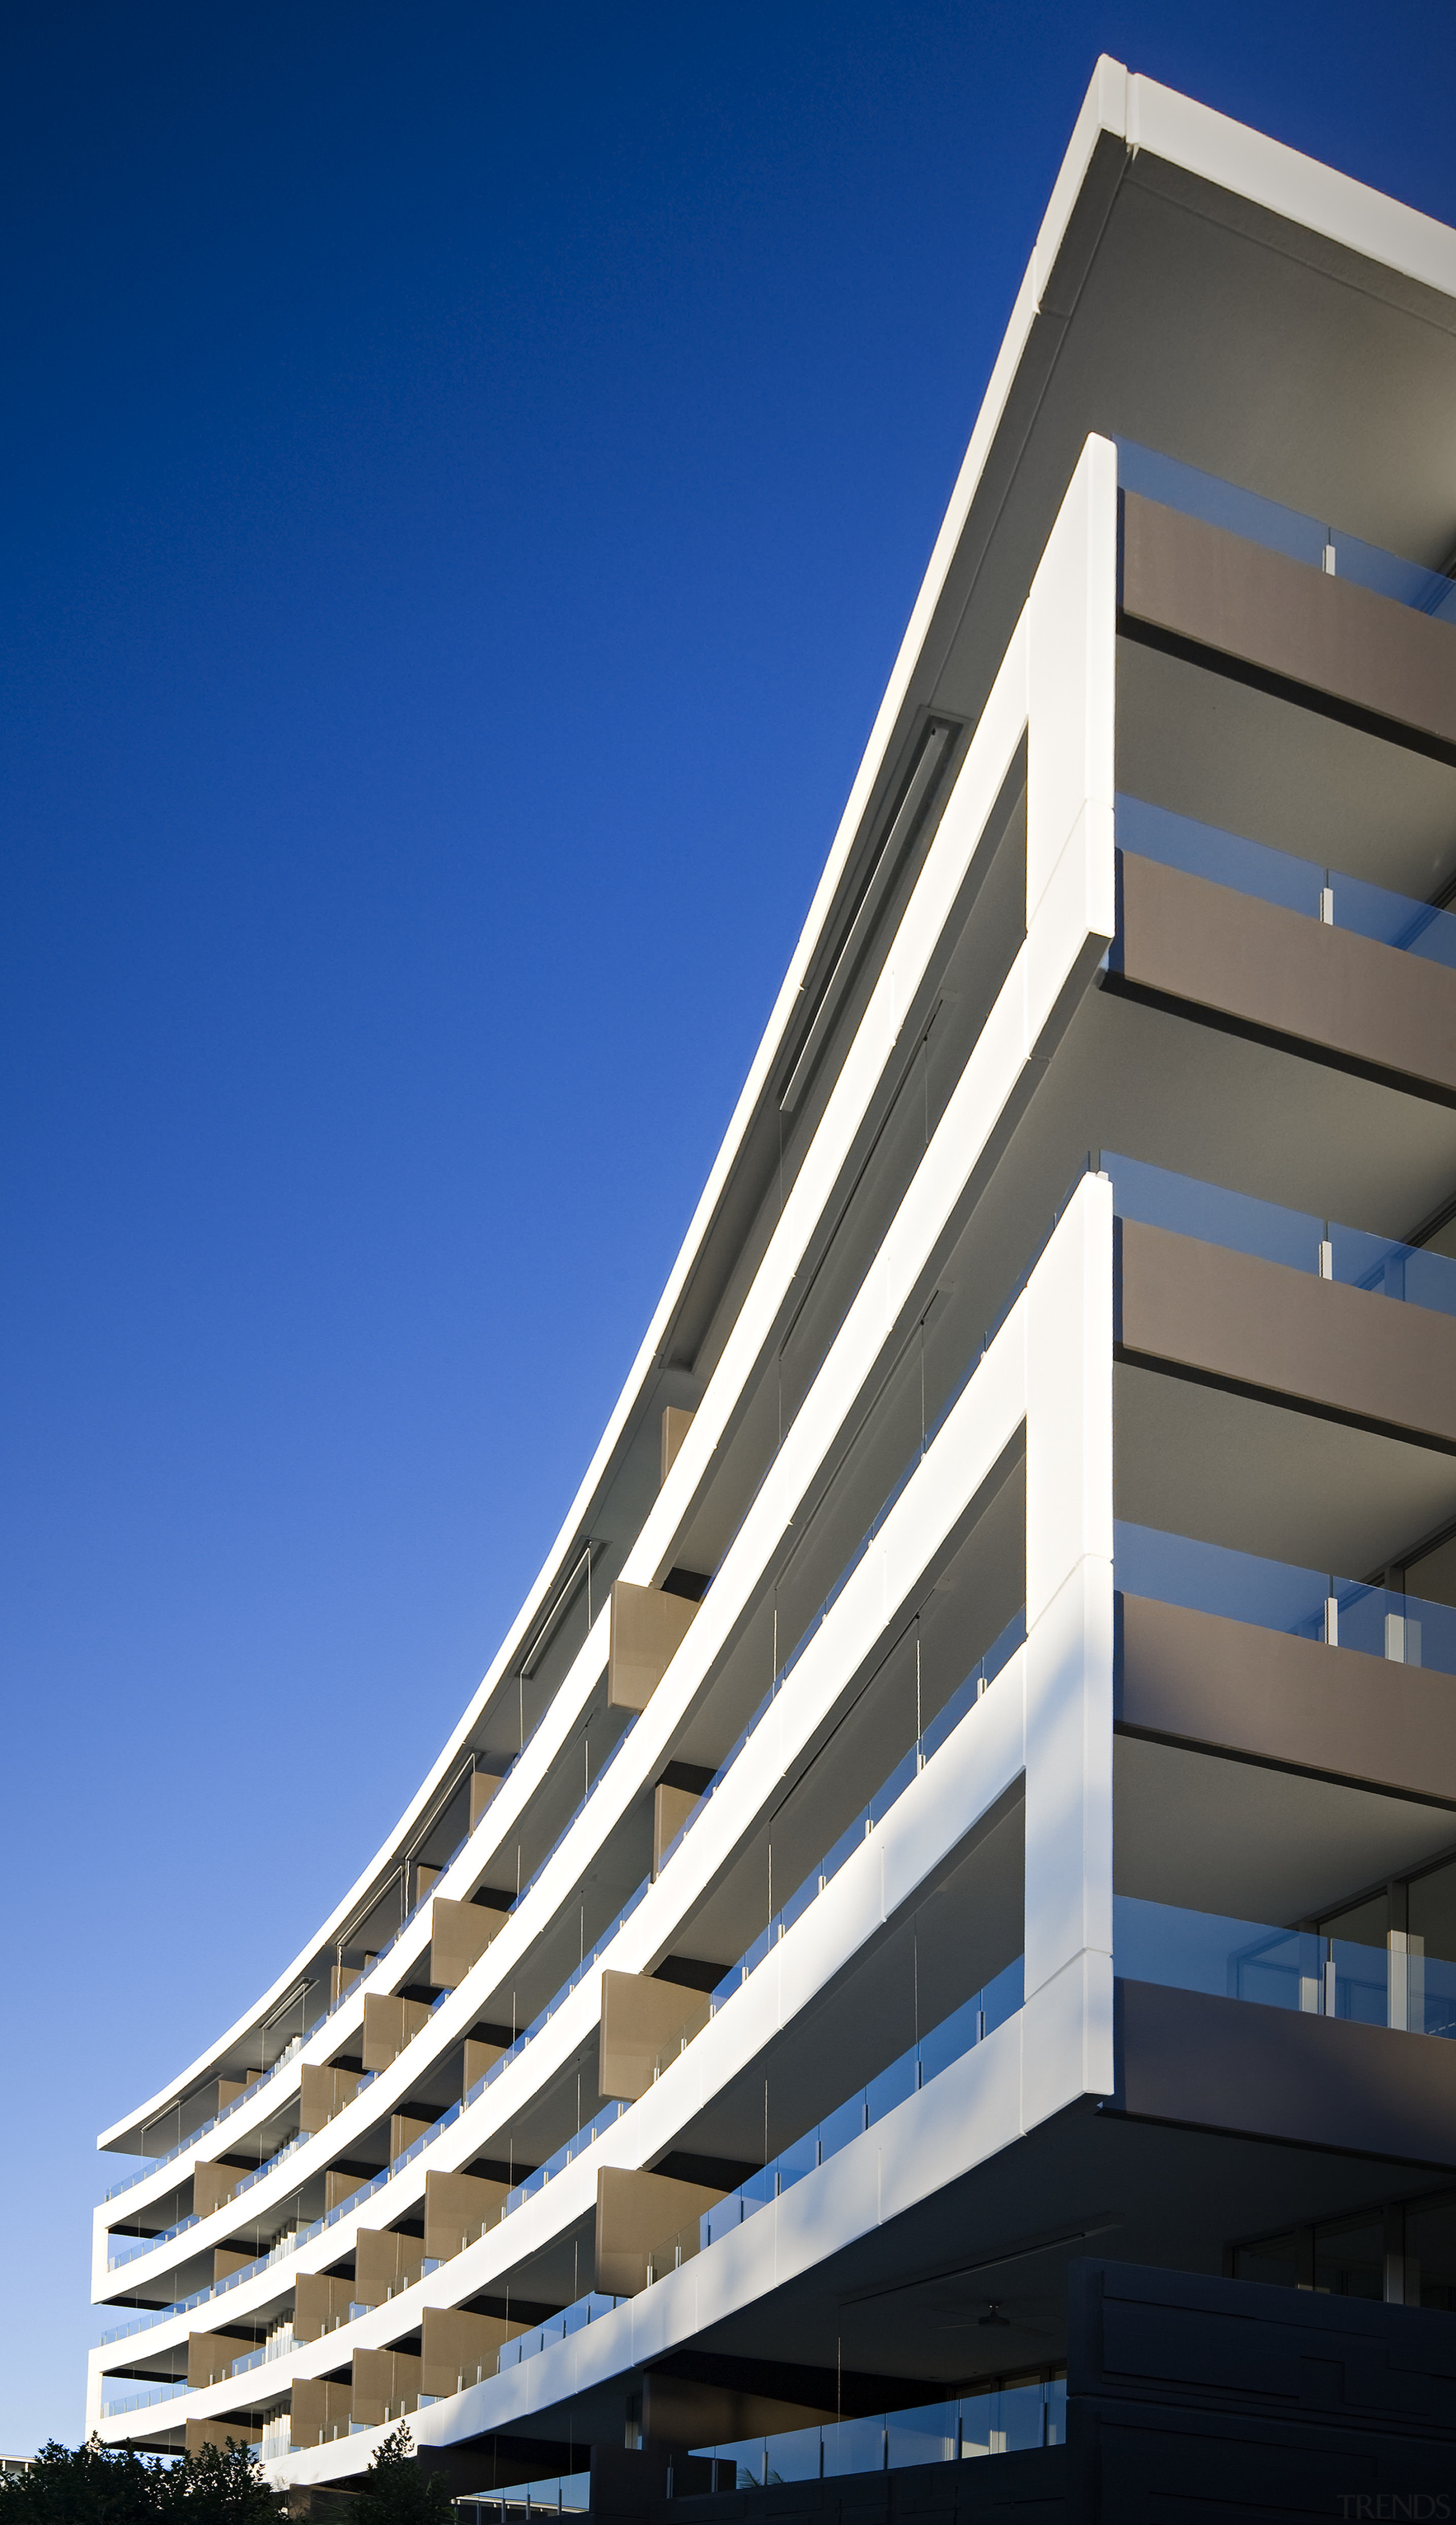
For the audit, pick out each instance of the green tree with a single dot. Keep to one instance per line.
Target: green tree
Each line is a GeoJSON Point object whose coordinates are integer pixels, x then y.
{"type": "Point", "coordinates": [396, 2490]}
{"type": "Point", "coordinates": [218, 2485]}
{"type": "Point", "coordinates": [86, 2485]}
{"type": "Point", "coordinates": [99, 2485]}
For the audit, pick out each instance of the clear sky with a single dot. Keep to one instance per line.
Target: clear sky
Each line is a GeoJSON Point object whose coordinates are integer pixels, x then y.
{"type": "Point", "coordinates": [467, 470]}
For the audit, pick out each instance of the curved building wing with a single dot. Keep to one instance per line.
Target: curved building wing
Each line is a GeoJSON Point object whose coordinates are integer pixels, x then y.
{"type": "Point", "coordinates": [971, 1791]}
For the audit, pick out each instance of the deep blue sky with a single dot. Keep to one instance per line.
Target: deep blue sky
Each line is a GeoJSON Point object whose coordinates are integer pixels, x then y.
{"type": "Point", "coordinates": [468, 473]}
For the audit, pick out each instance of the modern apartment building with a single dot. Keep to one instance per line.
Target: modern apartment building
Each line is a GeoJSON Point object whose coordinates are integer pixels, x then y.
{"type": "Point", "coordinates": [937, 1933]}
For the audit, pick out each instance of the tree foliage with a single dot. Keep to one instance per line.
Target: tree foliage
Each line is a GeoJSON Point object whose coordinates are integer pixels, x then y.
{"type": "Point", "coordinates": [99, 2485]}
{"type": "Point", "coordinates": [396, 2490]}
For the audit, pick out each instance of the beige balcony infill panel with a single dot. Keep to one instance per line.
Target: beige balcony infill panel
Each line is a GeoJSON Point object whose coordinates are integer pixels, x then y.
{"type": "Point", "coordinates": [389, 2023]}
{"type": "Point", "coordinates": [483, 1787]}
{"type": "Point", "coordinates": [671, 1809]}
{"type": "Point", "coordinates": [214, 2185]}
{"type": "Point", "coordinates": [647, 1628]}
{"type": "Point", "coordinates": [229, 2089]}
{"type": "Point", "coordinates": [340, 2186]}
{"type": "Point", "coordinates": [460, 1933]}
{"type": "Point", "coordinates": [1207, 1680]}
{"type": "Point", "coordinates": [403, 2130]}
{"type": "Point", "coordinates": [1245, 1321]}
{"type": "Point", "coordinates": [227, 2258]}
{"type": "Point", "coordinates": [1267, 966]}
{"type": "Point", "coordinates": [479, 2056]}
{"type": "Point", "coordinates": [675, 1426]}
{"type": "Point", "coordinates": [1206, 586]}
{"type": "Point", "coordinates": [322, 2411]}
{"type": "Point", "coordinates": [209, 2357]}
{"type": "Point", "coordinates": [633, 2212]}
{"type": "Point", "coordinates": [459, 2349]}
{"type": "Point", "coordinates": [321, 2303]}
{"type": "Point", "coordinates": [215, 2433]}
{"type": "Point", "coordinates": [322, 2093]}
{"type": "Point", "coordinates": [385, 2263]}
{"type": "Point", "coordinates": [645, 2024]}
{"type": "Point", "coordinates": [342, 1977]}
{"type": "Point", "coordinates": [386, 2385]}
{"type": "Point", "coordinates": [459, 2209]}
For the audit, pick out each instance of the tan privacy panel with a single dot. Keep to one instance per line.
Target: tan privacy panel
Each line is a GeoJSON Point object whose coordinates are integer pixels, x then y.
{"type": "Point", "coordinates": [479, 2056]}
{"type": "Point", "coordinates": [1203, 1678]}
{"type": "Point", "coordinates": [645, 2024]}
{"type": "Point", "coordinates": [322, 2093]}
{"type": "Point", "coordinates": [645, 1633]}
{"type": "Point", "coordinates": [1250, 1322]}
{"type": "Point", "coordinates": [321, 2303]}
{"type": "Point", "coordinates": [339, 2186]}
{"type": "Point", "coordinates": [671, 1809]}
{"type": "Point", "coordinates": [227, 2258]}
{"type": "Point", "coordinates": [1209, 585]}
{"type": "Point", "coordinates": [214, 2184]}
{"type": "Point", "coordinates": [675, 1427]}
{"type": "Point", "coordinates": [322, 2411]}
{"type": "Point", "coordinates": [1266, 966]}
{"type": "Point", "coordinates": [390, 2023]}
{"type": "Point", "coordinates": [459, 2349]}
{"type": "Point", "coordinates": [483, 1787]}
{"type": "Point", "coordinates": [215, 2433]}
{"type": "Point", "coordinates": [403, 2130]}
{"type": "Point", "coordinates": [342, 1977]}
{"type": "Point", "coordinates": [209, 2357]}
{"type": "Point", "coordinates": [636, 2211]}
{"type": "Point", "coordinates": [385, 2263]}
{"type": "Point", "coordinates": [460, 1933]}
{"type": "Point", "coordinates": [459, 2209]}
{"type": "Point", "coordinates": [229, 2089]}
{"type": "Point", "coordinates": [386, 2385]}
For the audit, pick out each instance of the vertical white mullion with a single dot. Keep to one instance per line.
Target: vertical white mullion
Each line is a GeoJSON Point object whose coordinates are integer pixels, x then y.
{"type": "Point", "coordinates": [1067, 2046]}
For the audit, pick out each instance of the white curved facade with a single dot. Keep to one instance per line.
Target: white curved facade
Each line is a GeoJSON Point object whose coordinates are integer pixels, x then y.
{"type": "Point", "coordinates": [790, 1795]}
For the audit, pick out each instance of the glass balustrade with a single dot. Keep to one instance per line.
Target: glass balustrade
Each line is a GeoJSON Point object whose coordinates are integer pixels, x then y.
{"type": "Point", "coordinates": [561, 2158]}
{"type": "Point", "coordinates": [1005, 2419]}
{"type": "Point", "coordinates": [291, 2049]}
{"type": "Point", "coordinates": [279, 2344]}
{"type": "Point", "coordinates": [1277, 1595]}
{"type": "Point", "coordinates": [297, 2139]}
{"type": "Point", "coordinates": [1313, 1969]}
{"type": "Point", "coordinates": [905, 1771]}
{"type": "Point", "coordinates": [1155, 1197]}
{"type": "Point", "coordinates": [356, 2201]}
{"type": "Point", "coordinates": [577, 1811]}
{"type": "Point", "coordinates": [1299, 537]}
{"type": "Point", "coordinates": [950, 2041]}
{"type": "Point", "coordinates": [543, 2017]}
{"type": "Point", "coordinates": [150, 2244]}
{"type": "Point", "coordinates": [907, 1471]}
{"type": "Point", "coordinates": [559, 2327]}
{"type": "Point", "coordinates": [910, 1766]}
{"type": "Point", "coordinates": [566, 2493]}
{"type": "Point", "coordinates": [1321, 894]}
{"type": "Point", "coordinates": [144, 2402]}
